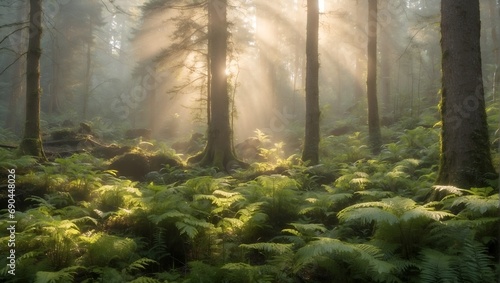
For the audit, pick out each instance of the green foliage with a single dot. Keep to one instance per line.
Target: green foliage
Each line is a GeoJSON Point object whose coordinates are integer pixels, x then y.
{"type": "Point", "coordinates": [436, 267]}
{"type": "Point", "coordinates": [61, 276]}
{"type": "Point", "coordinates": [357, 218]}
{"type": "Point", "coordinates": [9, 160]}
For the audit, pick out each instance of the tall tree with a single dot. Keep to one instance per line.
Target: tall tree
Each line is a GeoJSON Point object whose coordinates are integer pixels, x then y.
{"type": "Point", "coordinates": [218, 151]}
{"type": "Point", "coordinates": [465, 149]}
{"type": "Point", "coordinates": [311, 140]}
{"type": "Point", "coordinates": [31, 143]}
{"type": "Point", "coordinates": [375, 136]}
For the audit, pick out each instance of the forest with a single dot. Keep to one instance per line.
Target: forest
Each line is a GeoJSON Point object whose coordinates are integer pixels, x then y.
{"type": "Point", "coordinates": [288, 141]}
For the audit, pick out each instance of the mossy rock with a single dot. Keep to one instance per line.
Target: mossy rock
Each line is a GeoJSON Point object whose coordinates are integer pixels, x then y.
{"type": "Point", "coordinates": [137, 165]}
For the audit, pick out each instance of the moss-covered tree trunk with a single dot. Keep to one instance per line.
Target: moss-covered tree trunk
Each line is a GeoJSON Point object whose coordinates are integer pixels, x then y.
{"type": "Point", "coordinates": [374, 134]}
{"type": "Point", "coordinates": [465, 149]}
{"type": "Point", "coordinates": [311, 140]}
{"type": "Point", "coordinates": [31, 143]}
{"type": "Point", "coordinates": [219, 149]}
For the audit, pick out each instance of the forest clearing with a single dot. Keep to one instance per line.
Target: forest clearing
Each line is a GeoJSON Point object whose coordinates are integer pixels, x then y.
{"type": "Point", "coordinates": [249, 141]}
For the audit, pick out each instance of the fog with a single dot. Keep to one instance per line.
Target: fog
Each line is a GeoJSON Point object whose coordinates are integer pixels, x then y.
{"type": "Point", "coordinates": [135, 64]}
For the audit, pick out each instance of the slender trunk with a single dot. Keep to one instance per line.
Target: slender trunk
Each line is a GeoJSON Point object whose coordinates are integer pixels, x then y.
{"type": "Point", "coordinates": [32, 142]}
{"type": "Point", "coordinates": [87, 82]}
{"type": "Point", "coordinates": [371, 80]}
{"type": "Point", "coordinates": [311, 140]}
{"type": "Point", "coordinates": [385, 69]}
{"type": "Point", "coordinates": [493, 7]}
{"type": "Point", "coordinates": [465, 149]}
{"type": "Point", "coordinates": [55, 86]}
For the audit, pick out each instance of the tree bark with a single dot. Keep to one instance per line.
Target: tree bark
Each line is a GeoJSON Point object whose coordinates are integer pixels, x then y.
{"type": "Point", "coordinates": [31, 143]}
{"type": "Point", "coordinates": [375, 137]}
{"type": "Point", "coordinates": [311, 140]}
{"type": "Point", "coordinates": [465, 149]}
{"type": "Point", "coordinates": [219, 151]}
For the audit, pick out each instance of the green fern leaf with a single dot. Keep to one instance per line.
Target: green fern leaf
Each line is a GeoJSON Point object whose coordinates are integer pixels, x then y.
{"type": "Point", "coordinates": [309, 228]}
{"type": "Point", "coordinates": [62, 276]}
{"type": "Point", "coordinates": [320, 247]}
{"type": "Point", "coordinates": [436, 267]}
{"type": "Point", "coordinates": [140, 264]}
{"type": "Point", "coordinates": [421, 212]}
{"type": "Point", "coordinates": [368, 215]}
{"type": "Point", "coordinates": [156, 219]}
{"type": "Point", "coordinates": [479, 204]}
{"type": "Point", "coordinates": [474, 264]}
{"type": "Point", "coordinates": [187, 229]}
{"type": "Point", "coordinates": [143, 279]}
{"type": "Point", "coordinates": [275, 248]}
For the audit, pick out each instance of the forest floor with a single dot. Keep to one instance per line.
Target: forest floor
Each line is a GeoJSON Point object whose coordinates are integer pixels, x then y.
{"type": "Point", "coordinates": [354, 218]}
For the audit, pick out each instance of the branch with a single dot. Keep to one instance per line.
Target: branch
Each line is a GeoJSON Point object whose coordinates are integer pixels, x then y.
{"type": "Point", "coordinates": [6, 68]}
{"type": "Point", "coordinates": [13, 24]}
{"type": "Point", "coordinates": [7, 36]}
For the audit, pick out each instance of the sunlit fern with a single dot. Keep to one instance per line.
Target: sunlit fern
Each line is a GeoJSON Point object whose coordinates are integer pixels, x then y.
{"type": "Point", "coordinates": [364, 260]}
{"type": "Point", "coordinates": [397, 220]}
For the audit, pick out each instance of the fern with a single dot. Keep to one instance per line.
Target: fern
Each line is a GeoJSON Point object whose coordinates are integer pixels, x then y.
{"type": "Point", "coordinates": [139, 264]}
{"type": "Point", "coordinates": [357, 255]}
{"type": "Point", "coordinates": [273, 248]}
{"type": "Point", "coordinates": [436, 267]}
{"type": "Point", "coordinates": [367, 215]}
{"type": "Point", "coordinates": [473, 264]}
{"type": "Point", "coordinates": [143, 279]}
{"type": "Point", "coordinates": [479, 205]}
{"type": "Point", "coordinates": [9, 160]}
{"type": "Point", "coordinates": [103, 248]}
{"type": "Point", "coordinates": [62, 276]}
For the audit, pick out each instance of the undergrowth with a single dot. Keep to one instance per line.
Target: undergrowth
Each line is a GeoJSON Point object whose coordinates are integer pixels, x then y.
{"type": "Point", "coordinates": [355, 218]}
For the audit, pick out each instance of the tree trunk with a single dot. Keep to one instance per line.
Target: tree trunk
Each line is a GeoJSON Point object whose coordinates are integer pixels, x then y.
{"type": "Point", "coordinates": [375, 136]}
{"type": "Point", "coordinates": [493, 7]}
{"type": "Point", "coordinates": [385, 69]}
{"type": "Point", "coordinates": [32, 142]}
{"type": "Point", "coordinates": [88, 76]}
{"type": "Point", "coordinates": [465, 150]}
{"type": "Point", "coordinates": [219, 149]}
{"type": "Point", "coordinates": [311, 140]}
{"type": "Point", "coordinates": [55, 85]}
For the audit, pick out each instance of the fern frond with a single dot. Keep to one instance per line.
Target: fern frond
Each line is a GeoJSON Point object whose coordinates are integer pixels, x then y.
{"type": "Point", "coordinates": [320, 247]}
{"type": "Point", "coordinates": [143, 279]}
{"type": "Point", "coordinates": [474, 264]}
{"type": "Point", "coordinates": [368, 215]}
{"type": "Point", "coordinates": [479, 204]}
{"type": "Point", "coordinates": [360, 255]}
{"type": "Point", "coordinates": [436, 267]}
{"type": "Point", "coordinates": [274, 248]}
{"type": "Point", "coordinates": [309, 228]}
{"type": "Point", "coordinates": [448, 189]}
{"type": "Point", "coordinates": [140, 264]}
{"type": "Point", "coordinates": [174, 213]}
{"type": "Point", "coordinates": [421, 212]}
{"type": "Point", "coordinates": [63, 275]}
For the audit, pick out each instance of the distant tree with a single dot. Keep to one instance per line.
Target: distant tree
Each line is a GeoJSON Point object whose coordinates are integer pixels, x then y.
{"type": "Point", "coordinates": [218, 151]}
{"type": "Point", "coordinates": [18, 78]}
{"type": "Point", "coordinates": [74, 25]}
{"type": "Point", "coordinates": [465, 149]}
{"type": "Point", "coordinates": [312, 137]}
{"type": "Point", "coordinates": [375, 136]}
{"type": "Point", "coordinates": [31, 143]}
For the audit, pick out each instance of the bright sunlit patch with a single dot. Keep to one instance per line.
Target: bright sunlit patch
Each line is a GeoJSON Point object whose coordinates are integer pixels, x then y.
{"type": "Point", "coordinates": [321, 4]}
